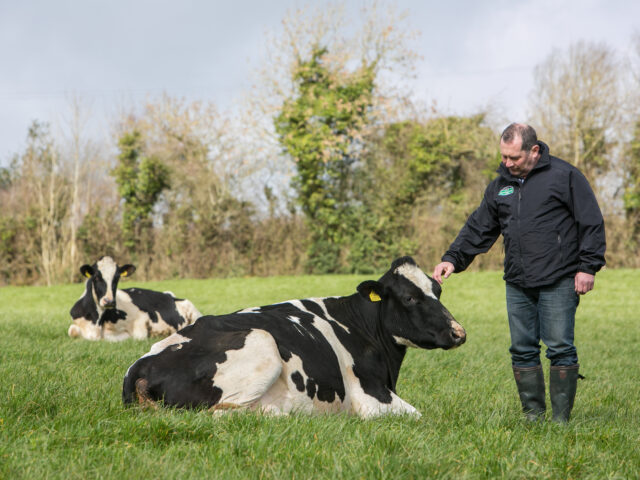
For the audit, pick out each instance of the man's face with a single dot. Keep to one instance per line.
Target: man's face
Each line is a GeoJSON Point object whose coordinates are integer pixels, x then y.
{"type": "Point", "coordinates": [517, 161]}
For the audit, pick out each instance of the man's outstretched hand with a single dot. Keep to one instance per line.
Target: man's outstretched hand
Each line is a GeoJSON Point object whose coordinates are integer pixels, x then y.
{"type": "Point", "coordinates": [442, 271]}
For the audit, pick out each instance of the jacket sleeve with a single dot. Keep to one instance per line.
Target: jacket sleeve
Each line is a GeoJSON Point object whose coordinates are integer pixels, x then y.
{"type": "Point", "coordinates": [590, 225]}
{"type": "Point", "coordinates": [478, 234]}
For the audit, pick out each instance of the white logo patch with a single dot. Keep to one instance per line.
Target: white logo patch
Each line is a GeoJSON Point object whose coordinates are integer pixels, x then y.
{"type": "Point", "coordinates": [416, 276]}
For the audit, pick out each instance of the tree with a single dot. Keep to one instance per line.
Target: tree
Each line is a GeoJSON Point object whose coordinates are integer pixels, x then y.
{"type": "Point", "coordinates": [632, 185]}
{"type": "Point", "coordinates": [321, 130]}
{"type": "Point", "coordinates": [328, 90]}
{"type": "Point", "coordinates": [37, 208]}
{"type": "Point", "coordinates": [577, 106]}
{"type": "Point", "coordinates": [140, 181]}
{"type": "Point", "coordinates": [632, 155]}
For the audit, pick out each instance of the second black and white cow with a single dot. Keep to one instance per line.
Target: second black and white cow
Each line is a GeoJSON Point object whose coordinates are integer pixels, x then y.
{"type": "Point", "coordinates": [106, 312]}
{"type": "Point", "coordinates": [315, 355]}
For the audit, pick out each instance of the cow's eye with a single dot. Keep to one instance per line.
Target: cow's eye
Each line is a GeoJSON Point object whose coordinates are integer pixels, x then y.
{"type": "Point", "coordinates": [409, 300]}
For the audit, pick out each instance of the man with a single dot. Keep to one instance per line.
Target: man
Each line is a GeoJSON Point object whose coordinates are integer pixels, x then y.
{"type": "Point", "coordinates": [554, 244]}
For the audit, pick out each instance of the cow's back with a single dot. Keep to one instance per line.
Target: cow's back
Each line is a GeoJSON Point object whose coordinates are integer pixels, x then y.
{"type": "Point", "coordinates": [190, 359]}
{"type": "Point", "coordinates": [160, 312]}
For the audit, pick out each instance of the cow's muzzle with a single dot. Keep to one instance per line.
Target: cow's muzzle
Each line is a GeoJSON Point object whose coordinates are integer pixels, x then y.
{"type": "Point", "coordinates": [108, 303]}
{"type": "Point", "coordinates": [458, 334]}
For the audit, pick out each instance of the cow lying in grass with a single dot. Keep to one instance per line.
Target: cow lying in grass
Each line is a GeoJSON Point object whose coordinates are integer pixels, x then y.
{"type": "Point", "coordinates": [106, 312]}
{"type": "Point", "coordinates": [316, 355]}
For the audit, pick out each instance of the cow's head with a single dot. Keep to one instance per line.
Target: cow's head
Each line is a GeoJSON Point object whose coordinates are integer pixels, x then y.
{"type": "Point", "coordinates": [102, 284]}
{"type": "Point", "coordinates": [103, 280]}
{"type": "Point", "coordinates": [411, 309]}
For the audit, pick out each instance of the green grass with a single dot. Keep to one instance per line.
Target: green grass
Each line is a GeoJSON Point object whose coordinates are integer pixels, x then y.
{"type": "Point", "coordinates": [61, 415]}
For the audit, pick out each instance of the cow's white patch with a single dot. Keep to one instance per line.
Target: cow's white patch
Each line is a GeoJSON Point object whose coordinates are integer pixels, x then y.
{"type": "Point", "coordinates": [298, 326]}
{"type": "Point", "coordinates": [248, 373]}
{"type": "Point", "coordinates": [108, 269]}
{"type": "Point", "coordinates": [165, 343]}
{"type": "Point", "coordinates": [188, 311]}
{"type": "Point", "coordinates": [418, 277]}
{"type": "Point", "coordinates": [250, 310]}
{"type": "Point", "coordinates": [405, 342]}
{"type": "Point", "coordinates": [146, 328]}
{"type": "Point", "coordinates": [321, 304]}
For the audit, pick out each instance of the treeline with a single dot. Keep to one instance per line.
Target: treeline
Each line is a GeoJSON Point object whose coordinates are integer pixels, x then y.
{"type": "Point", "coordinates": [329, 169]}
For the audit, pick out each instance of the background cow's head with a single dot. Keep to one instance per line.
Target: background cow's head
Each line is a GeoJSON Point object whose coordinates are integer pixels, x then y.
{"type": "Point", "coordinates": [102, 284]}
{"type": "Point", "coordinates": [410, 307]}
{"type": "Point", "coordinates": [103, 280]}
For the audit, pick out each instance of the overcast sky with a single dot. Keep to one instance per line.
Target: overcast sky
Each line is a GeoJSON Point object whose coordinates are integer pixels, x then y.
{"type": "Point", "coordinates": [475, 52]}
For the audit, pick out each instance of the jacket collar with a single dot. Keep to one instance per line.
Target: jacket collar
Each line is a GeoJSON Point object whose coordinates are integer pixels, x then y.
{"type": "Point", "coordinates": [543, 162]}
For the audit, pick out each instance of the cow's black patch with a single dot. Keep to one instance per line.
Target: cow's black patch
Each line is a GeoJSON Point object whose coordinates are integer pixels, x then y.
{"type": "Point", "coordinates": [296, 378]}
{"type": "Point", "coordinates": [150, 302]}
{"type": "Point", "coordinates": [111, 315]}
{"type": "Point", "coordinates": [311, 388]}
{"type": "Point", "coordinates": [285, 353]}
{"type": "Point", "coordinates": [85, 307]}
{"type": "Point", "coordinates": [314, 308]}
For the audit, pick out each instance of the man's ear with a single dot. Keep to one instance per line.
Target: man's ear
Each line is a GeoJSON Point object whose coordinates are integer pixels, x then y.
{"type": "Point", "coordinates": [371, 290]}
{"type": "Point", "coordinates": [86, 271]}
{"type": "Point", "coordinates": [127, 270]}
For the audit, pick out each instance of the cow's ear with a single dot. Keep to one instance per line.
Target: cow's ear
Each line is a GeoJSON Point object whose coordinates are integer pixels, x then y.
{"type": "Point", "coordinates": [127, 270]}
{"type": "Point", "coordinates": [371, 290]}
{"type": "Point", "coordinates": [86, 271]}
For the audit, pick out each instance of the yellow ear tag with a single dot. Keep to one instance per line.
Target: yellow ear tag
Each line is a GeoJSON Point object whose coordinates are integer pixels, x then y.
{"type": "Point", "coordinates": [87, 274]}
{"type": "Point", "coordinates": [374, 297]}
{"type": "Point", "coordinates": [124, 274]}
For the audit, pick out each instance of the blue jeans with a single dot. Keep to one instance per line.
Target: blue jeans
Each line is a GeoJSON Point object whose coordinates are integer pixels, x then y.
{"type": "Point", "coordinates": [543, 313]}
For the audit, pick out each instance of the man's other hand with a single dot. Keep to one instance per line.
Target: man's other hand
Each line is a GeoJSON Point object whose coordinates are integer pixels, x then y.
{"type": "Point", "coordinates": [583, 282]}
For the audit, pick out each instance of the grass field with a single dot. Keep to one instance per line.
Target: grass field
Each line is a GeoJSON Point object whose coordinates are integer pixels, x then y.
{"type": "Point", "coordinates": [61, 415]}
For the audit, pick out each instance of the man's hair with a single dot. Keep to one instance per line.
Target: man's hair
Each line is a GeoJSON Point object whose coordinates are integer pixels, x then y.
{"type": "Point", "coordinates": [526, 132]}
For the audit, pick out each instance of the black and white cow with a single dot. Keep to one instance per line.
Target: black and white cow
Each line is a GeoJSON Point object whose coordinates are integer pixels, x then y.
{"type": "Point", "coordinates": [316, 355]}
{"type": "Point", "coordinates": [106, 312]}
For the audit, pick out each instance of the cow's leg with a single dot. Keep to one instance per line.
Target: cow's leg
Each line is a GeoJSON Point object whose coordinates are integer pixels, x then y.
{"type": "Point", "coordinates": [248, 373]}
{"type": "Point", "coordinates": [84, 328]}
{"type": "Point", "coordinates": [400, 407]}
{"type": "Point", "coordinates": [141, 328]}
{"type": "Point", "coordinates": [368, 407]}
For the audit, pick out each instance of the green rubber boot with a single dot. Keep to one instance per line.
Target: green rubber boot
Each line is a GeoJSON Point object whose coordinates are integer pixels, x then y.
{"type": "Point", "coordinates": [562, 388]}
{"type": "Point", "coordinates": [530, 382]}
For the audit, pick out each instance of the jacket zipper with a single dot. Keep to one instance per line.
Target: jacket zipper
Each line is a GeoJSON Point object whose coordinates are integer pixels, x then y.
{"type": "Point", "coordinates": [520, 186]}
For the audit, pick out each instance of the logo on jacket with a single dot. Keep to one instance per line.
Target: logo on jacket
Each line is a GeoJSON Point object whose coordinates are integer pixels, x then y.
{"type": "Point", "coordinates": [505, 191]}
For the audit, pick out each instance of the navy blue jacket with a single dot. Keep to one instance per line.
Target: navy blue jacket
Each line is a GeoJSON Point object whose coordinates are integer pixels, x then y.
{"type": "Point", "coordinates": [551, 224]}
